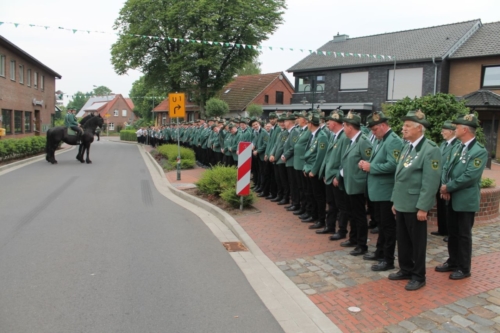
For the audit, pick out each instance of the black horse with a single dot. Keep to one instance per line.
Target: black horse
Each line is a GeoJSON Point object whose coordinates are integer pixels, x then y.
{"type": "Point", "coordinates": [57, 134]}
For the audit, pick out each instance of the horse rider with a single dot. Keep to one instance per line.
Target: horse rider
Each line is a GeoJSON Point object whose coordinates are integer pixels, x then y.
{"type": "Point", "coordinates": [71, 122]}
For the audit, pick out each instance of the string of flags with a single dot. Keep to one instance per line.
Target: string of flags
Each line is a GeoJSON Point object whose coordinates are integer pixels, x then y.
{"type": "Point", "coordinates": [223, 44]}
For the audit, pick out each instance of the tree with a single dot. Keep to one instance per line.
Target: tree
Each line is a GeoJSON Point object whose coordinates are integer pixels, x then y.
{"type": "Point", "coordinates": [437, 108]}
{"type": "Point", "coordinates": [250, 68]}
{"type": "Point", "coordinates": [254, 110]}
{"type": "Point", "coordinates": [102, 91]}
{"type": "Point", "coordinates": [216, 107]}
{"type": "Point", "coordinates": [170, 41]}
{"type": "Point", "coordinates": [78, 101]}
{"type": "Point", "coordinates": [145, 98]}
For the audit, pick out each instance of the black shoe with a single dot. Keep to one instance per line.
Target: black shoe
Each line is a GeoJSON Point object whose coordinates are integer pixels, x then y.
{"type": "Point", "coordinates": [291, 205]}
{"type": "Point", "coordinates": [304, 216]}
{"type": "Point", "coordinates": [372, 256]}
{"type": "Point", "coordinates": [299, 212]}
{"type": "Point", "coordinates": [277, 199]}
{"type": "Point", "coordinates": [348, 243]}
{"type": "Point", "coordinates": [258, 189]}
{"type": "Point", "coordinates": [374, 230]}
{"type": "Point", "coordinates": [325, 231]}
{"type": "Point", "coordinates": [310, 219]}
{"type": "Point", "coordinates": [382, 266]}
{"type": "Point", "coordinates": [283, 202]}
{"type": "Point", "coordinates": [317, 225]}
{"type": "Point", "coordinates": [436, 233]}
{"type": "Point", "coordinates": [371, 225]}
{"type": "Point", "coordinates": [262, 194]}
{"type": "Point", "coordinates": [414, 285]}
{"type": "Point", "coordinates": [399, 276]}
{"type": "Point", "coordinates": [270, 197]}
{"type": "Point", "coordinates": [459, 275]}
{"type": "Point", "coordinates": [357, 251]}
{"type": "Point", "coordinates": [336, 236]}
{"type": "Point", "coordinates": [445, 239]}
{"type": "Point", "coordinates": [291, 208]}
{"type": "Point", "coordinates": [446, 267]}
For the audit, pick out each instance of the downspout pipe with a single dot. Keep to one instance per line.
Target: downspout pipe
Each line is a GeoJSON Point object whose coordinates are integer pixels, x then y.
{"type": "Point", "coordinates": [435, 74]}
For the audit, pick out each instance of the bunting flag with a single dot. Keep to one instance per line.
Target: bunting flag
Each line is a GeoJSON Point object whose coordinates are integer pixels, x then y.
{"type": "Point", "coordinates": [223, 44]}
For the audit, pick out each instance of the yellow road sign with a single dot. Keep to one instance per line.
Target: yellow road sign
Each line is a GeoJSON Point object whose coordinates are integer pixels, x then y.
{"type": "Point", "coordinates": [177, 105]}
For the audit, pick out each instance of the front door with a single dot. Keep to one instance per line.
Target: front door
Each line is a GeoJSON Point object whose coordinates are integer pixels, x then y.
{"type": "Point", "coordinates": [36, 123]}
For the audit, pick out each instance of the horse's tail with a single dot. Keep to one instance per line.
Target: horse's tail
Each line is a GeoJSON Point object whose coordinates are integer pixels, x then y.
{"type": "Point", "coordinates": [48, 140]}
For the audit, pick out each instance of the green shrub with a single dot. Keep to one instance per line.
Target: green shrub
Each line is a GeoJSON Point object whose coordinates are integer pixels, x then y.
{"type": "Point", "coordinates": [487, 182]}
{"type": "Point", "coordinates": [230, 196]}
{"type": "Point", "coordinates": [170, 153]}
{"type": "Point", "coordinates": [128, 135]}
{"type": "Point", "coordinates": [27, 146]}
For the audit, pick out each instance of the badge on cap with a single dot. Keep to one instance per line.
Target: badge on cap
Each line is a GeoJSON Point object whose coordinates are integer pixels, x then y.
{"type": "Point", "coordinates": [376, 117]}
{"type": "Point", "coordinates": [336, 116]}
{"type": "Point", "coordinates": [419, 114]}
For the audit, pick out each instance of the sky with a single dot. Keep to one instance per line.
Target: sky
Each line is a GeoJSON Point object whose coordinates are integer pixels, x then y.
{"type": "Point", "coordinates": [83, 59]}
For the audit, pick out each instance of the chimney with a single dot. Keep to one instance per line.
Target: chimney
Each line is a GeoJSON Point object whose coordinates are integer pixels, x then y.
{"type": "Point", "coordinates": [340, 38]}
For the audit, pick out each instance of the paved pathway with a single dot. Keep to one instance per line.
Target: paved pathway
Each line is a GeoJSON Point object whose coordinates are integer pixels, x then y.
{"type": "Point", "coordinates": [336, 281]}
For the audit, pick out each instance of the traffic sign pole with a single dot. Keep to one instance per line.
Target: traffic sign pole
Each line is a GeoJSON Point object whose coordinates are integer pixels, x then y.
{"type": "Point", "coordinates": [244, 169]}
{"type": "Point", "coordinates": [177, 106]}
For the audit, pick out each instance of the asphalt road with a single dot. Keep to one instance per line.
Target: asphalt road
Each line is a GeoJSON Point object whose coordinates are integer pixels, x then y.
{"type": "Point", "coordinates": [95, 248]}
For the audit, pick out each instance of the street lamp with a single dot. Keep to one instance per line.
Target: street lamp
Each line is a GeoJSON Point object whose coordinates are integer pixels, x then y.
{"type": "Point", "coordinates": [313, 89]}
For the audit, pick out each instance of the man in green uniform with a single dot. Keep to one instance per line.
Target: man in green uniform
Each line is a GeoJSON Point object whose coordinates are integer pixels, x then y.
{"type": "Point", "coordinates": [461, 188]}
{"type": "Point", "coordinates": [381, 168]}
{"type": "Point", "coordinates": [450, 141]}
{"type": "Point", "coordinates": [71, 122]}
{"type": "Point", "coordinates": [287, 157]}
{"type": "Point", "coordinates": [354, 182]}
{"type": "Point", "coordinates": [274, 151]}
{"type": "Point", "coordinates": [259, 150]}
{"type": "Point", "coordinates": [275, 188]}
{"type": "Point", "coordinates": [416, 182]}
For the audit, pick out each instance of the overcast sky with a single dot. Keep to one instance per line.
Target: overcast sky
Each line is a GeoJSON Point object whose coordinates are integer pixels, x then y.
{"type": "Point", "coordinates": [83, 59]}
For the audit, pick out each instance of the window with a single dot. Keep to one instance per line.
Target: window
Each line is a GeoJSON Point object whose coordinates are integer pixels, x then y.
{"type": "Point", "coordinates": [2, 65]}
{"type": "Point", "coordinates": [111, 126]}
{"type": "Point", "coordinates": [35, 80]}
{"type": "Point", "coordinates": [354, 81]}
{"type": "Point", "coordinates": [42, 82]}
{"type": "Point", "coordinates": [27, 122]}
{"type": "Point", "coordinates": [13, 70]}
{"type": "Point", "coordinates": [7, 121]}
{"type": "Point", "coordinates": [310, 83]}
{"type": "Point", "coordinates": [21, 74]}
{"type": "Point", "coordinates": [28, 78]}
{"type": "Point", "coordinates": [124, 113]}
{"type": "Point", "coordinates": [491, 77]}
{"type": "Point", "coordinates": [407, 83]}
{"type": "Point", "coordinates": [18, 121]}
{"type": "Point", "coordinates": [115, 113]}
{"type": "Point", "coordinates": [266, 98]}
{"type": "Point", "coordinates": [279, 97]}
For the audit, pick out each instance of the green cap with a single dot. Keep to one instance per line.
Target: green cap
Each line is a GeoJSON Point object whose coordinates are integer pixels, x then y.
{"type": "Point", "coordinates": [336, 115]}
{"type": "Point", "coordinates": [468, 120]}
{"type": "Point", "coordinates": [449, 125]}
{"type": "Point", "coordinates": [376, 118]}
{"type": "Point", "coordinates": [417, 116]}
{"type": "Point", "coordinates": [352, 118]}
{"type": "Point", "coordinates": [273, 115]}
{"type": "Point", "coordinates": [314, 118]}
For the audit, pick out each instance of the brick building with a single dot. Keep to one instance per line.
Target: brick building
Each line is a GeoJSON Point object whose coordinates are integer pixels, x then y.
{"type": "Point", "coordinates": [116, 110]}
{"type": "Point", "coordinates": [27, 92]}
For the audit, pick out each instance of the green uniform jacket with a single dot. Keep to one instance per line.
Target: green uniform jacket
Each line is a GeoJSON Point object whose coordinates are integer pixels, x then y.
{"type": "Point", "coordinates": [383, 163]}
{"type": "Point", "coordinates": [246, 135]}
{"type": "Point", "coordinates": [279, 147]}
{"type": "Point", "coordinates": [260, 143]}
{"type": "Point", "coordinates": [417, 177]}
{"type": "Point", "coordinates": [70, 120]}
{"type": "Point", "coordinates": [299, 150]}
{"type": "Point", "coordinates": [204, 135]}
{"type": "Point", "coordinates": [354, 179]}
{"type": "Point", "coordinates": [288, 147]}
{"type": "Point", "coordinates": [227, 144]}
{"type": "Point", "coordinates": [446, 149]}
{"type": "Point", "coordinates": [272, 140]}
{"type": "Point", "coordinates": [462, 176]}
{"type": "Point", "coordinates": [316, 153]}
{"type": "Point", "coordinates": [235, 139]}
{"type": "Point", "coordinates": [333, 157]}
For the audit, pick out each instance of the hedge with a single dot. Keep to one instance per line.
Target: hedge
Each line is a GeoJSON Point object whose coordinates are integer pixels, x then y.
{"type": "Point", "coordinates": [128, 135]}
{"type": "Point", "coordinates": [170, 153]}
{"type": "Point", "coordinates": [27, 146]}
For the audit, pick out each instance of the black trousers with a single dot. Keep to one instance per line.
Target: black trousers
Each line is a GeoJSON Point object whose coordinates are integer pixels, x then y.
{"type": "Point", "coordinates": [442, 215]}
{"type": "Point", "coordinates": [300, 180]}
{"type": "Point", "coordinates": [460, 238]}
{"type": "Point", "coordinates": [218, 157]}
{"type": "Point", "coordinates": [333, 211]}
{"type": "Point", "coordinates": [412, 243]}
{"type": "Point", "coordinates": [283, 175]}
{"type": "Point", "coordinates": [319, 202]}
{"type": "Point", "coordinates": [256, 170]}
{"type": "Point", "coordinates": [344, 215]}
{"type": "Point", "coordinates": [277, 178]}
{"type": "Point", "coordinates": [292, 184]}
{"type": "Point", "coordinates": [263, 179]}
{"type": "Point", "coordinates": [386, 242]}
{"type": "Point", "coordinates": [307, 191]}
{"type": "Point", "coordinates": [359, 225]}
{"type": "Point", "coordinates": [271, 175]}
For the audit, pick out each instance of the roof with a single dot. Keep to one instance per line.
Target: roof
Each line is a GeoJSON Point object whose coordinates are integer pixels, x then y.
{"type": "Point", "coordinates": [244, 89]}
{"type": "Point", "coordinates": [482, 98]}
{"type": "Point", "coordinates": [485, 42]}
{"type": "Point", "coordinates": [92, 100]}
{"type": "Point", "coordinates": [7, 44]}
{"type": "Point", "coordinates": [130, 103]}
{"type": "Point", "coordinates": [410, 45]}
{"type": "Point", "coordinates": [95, 106]}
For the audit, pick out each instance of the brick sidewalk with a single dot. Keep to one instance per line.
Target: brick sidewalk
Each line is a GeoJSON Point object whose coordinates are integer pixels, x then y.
{"type": "Point", "coordinates": [336, 281]}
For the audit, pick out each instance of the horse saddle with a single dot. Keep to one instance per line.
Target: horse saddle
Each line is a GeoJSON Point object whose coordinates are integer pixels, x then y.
{"type": "Point", "coordinates": [71, 132]}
